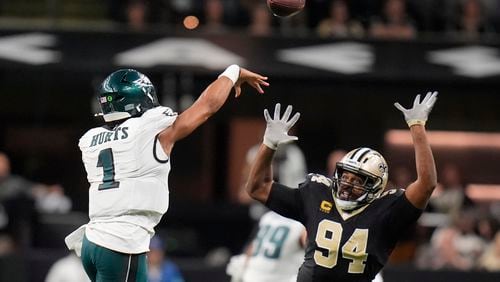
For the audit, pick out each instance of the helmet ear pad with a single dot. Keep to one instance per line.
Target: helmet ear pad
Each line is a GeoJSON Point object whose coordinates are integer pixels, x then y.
{"type": "Point", "coordinates": [370, 165]}
{"type": "Point", "coordinates": [126, 93]}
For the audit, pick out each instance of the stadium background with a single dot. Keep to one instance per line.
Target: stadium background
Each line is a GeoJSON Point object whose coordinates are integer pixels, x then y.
{"type": "Point", "coordinates": [47, 105]}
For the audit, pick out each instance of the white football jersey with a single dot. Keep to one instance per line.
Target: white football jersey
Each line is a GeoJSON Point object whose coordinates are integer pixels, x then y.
{"type": "Point", "coordinates": [128, 174]}
{"type": "Point", "coordinates": [276, 251]}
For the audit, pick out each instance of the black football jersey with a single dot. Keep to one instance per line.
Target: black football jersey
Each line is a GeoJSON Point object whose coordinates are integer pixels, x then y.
{"type": "Point", "coordinates": [343, 247]}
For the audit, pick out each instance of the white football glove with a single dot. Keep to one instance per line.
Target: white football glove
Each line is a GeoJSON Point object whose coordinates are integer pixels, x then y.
{"type": "Point", "coordinates": [236, 267]}
{"type": "Point", "coordinates": [277, 129]}
{"type": "Point", "coordinates": [420, 111]}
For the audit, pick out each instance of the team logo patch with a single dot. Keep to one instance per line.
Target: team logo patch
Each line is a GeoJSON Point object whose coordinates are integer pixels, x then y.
{"type": "Point", "coordinates": [325, 206]}
{"type": "Point", "coordinates": [169, 112]}
{"type": "Point", "coordinates": [382, 167]}
{"type": "Point", "coordinates": [102, 100]}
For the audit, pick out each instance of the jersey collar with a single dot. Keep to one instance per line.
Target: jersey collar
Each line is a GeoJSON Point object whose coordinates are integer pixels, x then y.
{"type": "Point", "coordinates": [346, 215]}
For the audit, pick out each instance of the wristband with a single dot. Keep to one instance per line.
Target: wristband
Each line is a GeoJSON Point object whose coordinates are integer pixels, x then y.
{"type": "Point", "coordinates": [232, 72]}
{"type": "Point", "coordinates": [413, 122]}
{"type": "Point", "coordinates": [270, 145]}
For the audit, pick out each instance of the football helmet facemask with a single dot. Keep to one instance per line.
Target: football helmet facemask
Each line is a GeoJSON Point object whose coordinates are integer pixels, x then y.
{"type": "Point", "coordinates": [126, 93]}
{"type": "Point", "coordinates": [371, 167]}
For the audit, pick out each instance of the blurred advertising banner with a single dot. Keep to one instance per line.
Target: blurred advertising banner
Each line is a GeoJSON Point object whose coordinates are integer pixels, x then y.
{"type": "Point", "coordinates": [441, 60]}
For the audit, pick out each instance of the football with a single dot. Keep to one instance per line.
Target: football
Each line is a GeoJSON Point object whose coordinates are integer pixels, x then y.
{"type": "Point", "coordinates": [285, 8]}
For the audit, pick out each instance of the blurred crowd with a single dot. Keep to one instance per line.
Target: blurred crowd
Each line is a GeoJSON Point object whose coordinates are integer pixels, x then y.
{"type": "Point", "coordinates": [21, 203]}
{"type": "Point", "coordinates": [390, 19]}
{"type": "Point", "coordinates": [455, 231]}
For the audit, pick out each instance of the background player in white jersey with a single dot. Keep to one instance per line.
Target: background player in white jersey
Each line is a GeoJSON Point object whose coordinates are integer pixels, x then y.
{"type": "Point", "coordinates": [276, 246]}
{"type": "Point", "coordinates": [277, 250]}
{"type": "Point", "coordinates": [128, 161]}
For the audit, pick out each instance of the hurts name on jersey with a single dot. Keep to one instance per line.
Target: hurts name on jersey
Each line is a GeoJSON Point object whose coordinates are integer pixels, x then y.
{"type": "Point", "coordinates": [103, 137]}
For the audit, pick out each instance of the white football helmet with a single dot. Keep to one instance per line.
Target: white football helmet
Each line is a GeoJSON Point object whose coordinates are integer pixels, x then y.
{"type": "Point", "coordinates": [368, 164]}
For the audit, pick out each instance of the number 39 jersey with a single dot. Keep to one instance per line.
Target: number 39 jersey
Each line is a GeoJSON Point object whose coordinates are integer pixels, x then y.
{"type": "Point", "coordinates": [128, 174]}
{"type": "Point", "coordinates": [350, 247]}
{"type": "Point", "coordinates": [276, 250]}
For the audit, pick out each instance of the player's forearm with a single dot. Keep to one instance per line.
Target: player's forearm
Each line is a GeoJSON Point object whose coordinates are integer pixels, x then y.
{"type": "Point", "coordinates": [426, 168]}
{"type": "Point", "coordinates": [215, 95]}
{"type": "Point", "coordinates": [207, 105]}
{"type": "Point", "coordinates": [261, 175]}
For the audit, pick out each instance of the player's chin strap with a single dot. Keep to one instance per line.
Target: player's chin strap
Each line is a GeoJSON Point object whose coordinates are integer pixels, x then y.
{"type": "Point", "coordinates": [113, 116]}
{"type": "Point", "coordinates": [349, 205]}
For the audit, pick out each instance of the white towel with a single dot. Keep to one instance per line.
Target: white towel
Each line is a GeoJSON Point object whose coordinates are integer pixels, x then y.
{"type": "Point", "coordinates": [74, 240]}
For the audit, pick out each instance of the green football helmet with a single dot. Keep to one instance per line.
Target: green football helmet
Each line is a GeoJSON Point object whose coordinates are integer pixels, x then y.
{"type": "Point", "coordinates": [126, 93]}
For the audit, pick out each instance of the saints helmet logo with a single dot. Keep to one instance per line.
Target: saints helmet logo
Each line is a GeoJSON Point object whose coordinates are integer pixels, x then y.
{"type": "Point", "coordinates": [382, 167]}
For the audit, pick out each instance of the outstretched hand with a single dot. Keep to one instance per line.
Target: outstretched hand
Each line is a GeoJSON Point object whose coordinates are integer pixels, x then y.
{"type": "Point", "coordinates": [277, 128]}
{"type": "Point", "coordinates": [420, 111]}
{"type": "Point", "coordinates": [253, 79]}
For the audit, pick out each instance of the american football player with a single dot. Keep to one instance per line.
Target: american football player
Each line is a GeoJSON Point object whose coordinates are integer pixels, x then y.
{"type": "Point", "coordinates": [128, 162]}
{"type": "Point", "coordinates": [275, 253]}
{"type": "Point", "coordinates": [276, 247]}
{"type": "Point", "coordinates": [352, 223]}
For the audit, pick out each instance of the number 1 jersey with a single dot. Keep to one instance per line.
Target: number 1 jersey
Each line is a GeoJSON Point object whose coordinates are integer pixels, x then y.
{"type": "Point", "coordinates": [127, 170]}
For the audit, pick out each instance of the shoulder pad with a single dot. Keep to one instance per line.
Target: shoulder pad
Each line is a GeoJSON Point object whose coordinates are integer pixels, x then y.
{"type": "Point", "coordinates": [392, 192]}
{"type": "Point", "coordinates": [318, 178]}
{"type": "Point", "coordinates": [156, 119]}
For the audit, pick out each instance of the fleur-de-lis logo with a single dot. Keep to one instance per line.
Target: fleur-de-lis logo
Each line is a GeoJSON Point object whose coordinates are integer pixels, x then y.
{"type": "Point", "coordinates": [382, 167]}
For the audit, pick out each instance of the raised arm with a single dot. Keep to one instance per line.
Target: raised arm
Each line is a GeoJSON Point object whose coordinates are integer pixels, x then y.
{"type": "Point", "coordinates": [419, 192]}
{"type": "Point", "coordinates": [209, 102]}
{"type": "Point", "coordinates": [260, 179]}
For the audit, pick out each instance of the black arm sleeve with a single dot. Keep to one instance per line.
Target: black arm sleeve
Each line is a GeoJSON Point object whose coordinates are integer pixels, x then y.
{"type": "Point", "coordinates": [286, 201]}
{"type": "Point", "coordinates": [402, 214]}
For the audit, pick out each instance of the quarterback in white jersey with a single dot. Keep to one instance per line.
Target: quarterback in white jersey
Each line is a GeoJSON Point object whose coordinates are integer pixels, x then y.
{"type": "Point", "coordinates": [128, 161]}
{"type": "Point", "coordinates": [128, 172]}
{"type": "Point", "coordinates": [277, 251]}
